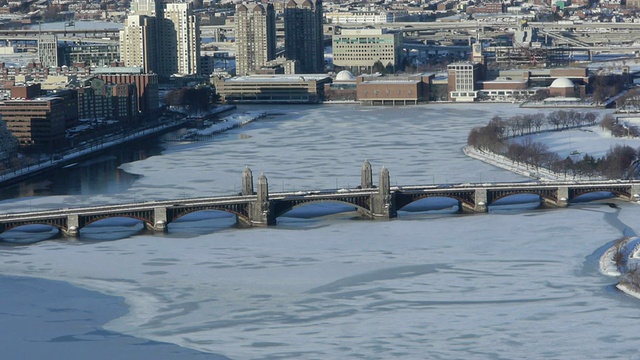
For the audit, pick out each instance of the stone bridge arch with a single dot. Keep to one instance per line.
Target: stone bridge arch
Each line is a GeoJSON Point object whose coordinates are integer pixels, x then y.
{"type": "Point", "coordinates": [465, 198]}
{"type": "Point", "coordinates": [59, 223]}
{"type": "Point", "coordinates": [145, 216]}
{"type": "Point", "coordinates": [362, 204]}
{"type": "Point", "coordinates": [618, 191]}
{"type": "Point", "coordinates": [239, 210]}
{"type": "Point", "coordinates": [547, 195]}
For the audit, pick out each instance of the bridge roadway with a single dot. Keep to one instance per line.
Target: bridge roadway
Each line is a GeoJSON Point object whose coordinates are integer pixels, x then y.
{"type": "Point", "coordinates": [261, 208]}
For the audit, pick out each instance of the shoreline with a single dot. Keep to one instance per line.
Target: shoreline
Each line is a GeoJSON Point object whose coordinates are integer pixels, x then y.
{"type": "Point", "coordinates": [505, 163]}
{"type": "Point", "coordinates": [627, 290]}
{"type": "Point", "coordinates": [606, 264]}
{"type": "Point", "coordinates": [57, 316]}
{"type": "Point", "coordinates": [104, 144]}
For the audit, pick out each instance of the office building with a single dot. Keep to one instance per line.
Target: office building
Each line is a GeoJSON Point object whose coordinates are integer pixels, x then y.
{"type": "Point", "coordinates": [255, 29]}
{"type": "Point", "coordinates": [36, 121]}
{"type": "Point", "coordinates": [48, 50]}
{"type": "Point", "coordinates": [303, 35]}
{"type": "Point", "coordinates": [274, 88]}
{"type": "Point", "coordinates": [89, 54]}
{"type": "Point", "coordinates": [463, 78]}
{"type": "Point", "coordinates": [358, 50]}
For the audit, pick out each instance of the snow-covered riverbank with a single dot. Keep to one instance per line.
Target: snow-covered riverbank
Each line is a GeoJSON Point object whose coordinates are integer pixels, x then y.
{"type": "Point", "coordinates": [522, 169]}
{"type": "Point", "coordinates": [227, 123]}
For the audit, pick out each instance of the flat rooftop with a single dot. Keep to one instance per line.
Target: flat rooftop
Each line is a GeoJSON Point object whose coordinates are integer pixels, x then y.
{"type": "Point", "coordinates": [278, 78]}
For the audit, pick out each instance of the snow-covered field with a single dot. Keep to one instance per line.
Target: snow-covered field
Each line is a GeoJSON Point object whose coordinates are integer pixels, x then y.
{"type": "Point", "coordinates": [508, 284]}
{"type": "Point", "coordinates": [592, 140]}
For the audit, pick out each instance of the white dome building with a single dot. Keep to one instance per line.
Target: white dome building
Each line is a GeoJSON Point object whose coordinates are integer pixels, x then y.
{"type": "Point", "coordinates": [345, 76]}
{"type": "Point", "coordinates": [343, 88]}
{"type": "Point", "coordinates": [562, 87]}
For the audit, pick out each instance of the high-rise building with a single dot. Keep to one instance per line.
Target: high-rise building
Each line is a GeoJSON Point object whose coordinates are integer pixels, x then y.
{"type": "Point", "coordinates": [48, 50]}
{"type": "Point", "coordinates": [255, 30]}
{"type": "Point", "coordinates": [179, 41]}
{"type": "Point", "coordinates": [161, 37]}
{"type": "Point", "coordinates": [303, 35]}
{"type": "Point", "coordinates": [138, 43]}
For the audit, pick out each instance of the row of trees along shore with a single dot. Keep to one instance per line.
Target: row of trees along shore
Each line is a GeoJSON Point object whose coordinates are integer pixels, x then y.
{"type": "Point", "coordinates": [497, 137]}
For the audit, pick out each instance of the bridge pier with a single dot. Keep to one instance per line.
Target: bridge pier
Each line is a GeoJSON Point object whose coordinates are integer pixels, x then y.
{"type": "Point", "coordinates": [635, 192]}
{"type": "Point", "coordinates": [383, 204]}
{"type": "Point", "coordinates": [160, 219]}
{"type": "Point", "coordinates": [73, 226]}
{"type": "Point", "coordinates": [480, 200]}
{"type": "Point", "coordinates": [260, 211]}
{"type": "Point", "coordinates": [562, 196]}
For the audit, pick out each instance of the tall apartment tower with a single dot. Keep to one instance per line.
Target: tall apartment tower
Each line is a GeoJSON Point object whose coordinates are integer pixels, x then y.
{"type": "Point", "coordinates": [303, 35]}
{"type": "Point", "coordinates": [179, 40]}
{"type": "Point", "coordinates": [255, 29]}
{"type": "Point", "coordinates": [161, 37]}
{"type": "Point", "coordinates": [138, 43]}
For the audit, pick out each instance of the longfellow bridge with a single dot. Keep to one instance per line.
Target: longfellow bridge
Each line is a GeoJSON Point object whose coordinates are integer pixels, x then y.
{"type": "Point", "coordinates": [261, 208]}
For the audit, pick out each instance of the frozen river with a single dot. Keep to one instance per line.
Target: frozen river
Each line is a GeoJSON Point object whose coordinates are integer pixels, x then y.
{"type": "Point", "coordinates": [509, 284]}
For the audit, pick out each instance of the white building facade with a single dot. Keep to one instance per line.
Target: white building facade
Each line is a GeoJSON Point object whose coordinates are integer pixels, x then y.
{"type": "Point", "coordinates": [359, 49]}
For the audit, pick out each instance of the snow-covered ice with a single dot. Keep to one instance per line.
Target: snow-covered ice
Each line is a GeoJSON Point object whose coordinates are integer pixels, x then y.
{"type": "Point", "coordinates": [507, 284]}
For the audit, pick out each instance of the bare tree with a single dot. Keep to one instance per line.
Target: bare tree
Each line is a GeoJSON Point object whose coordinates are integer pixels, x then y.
{"type": "Point", "coordinates": [538, 121]}
{"type": "Point", "coordinates": [554, 120]}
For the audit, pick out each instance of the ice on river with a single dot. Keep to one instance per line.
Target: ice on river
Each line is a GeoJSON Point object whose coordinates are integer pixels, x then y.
{"type": "Point", "coordinates": [507, 284]}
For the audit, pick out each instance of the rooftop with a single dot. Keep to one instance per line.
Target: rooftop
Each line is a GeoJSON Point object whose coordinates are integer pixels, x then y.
{"type": "Point", "coordinates": [279, 78]}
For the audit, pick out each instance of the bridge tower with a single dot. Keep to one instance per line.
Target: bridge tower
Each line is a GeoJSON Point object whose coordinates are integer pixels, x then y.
{"type": "Point", "coordinates": [366, 176]}
{"type": "Point", "coordinates": [260, 212]}
{"type": "Point", "coordinates": [247, 182]}
{"type": "Point", "coordinates": [383, 203]}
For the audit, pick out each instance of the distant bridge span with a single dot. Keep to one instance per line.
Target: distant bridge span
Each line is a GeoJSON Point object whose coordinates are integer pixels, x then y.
{"type": "Point", "coordinates": [261, 208]}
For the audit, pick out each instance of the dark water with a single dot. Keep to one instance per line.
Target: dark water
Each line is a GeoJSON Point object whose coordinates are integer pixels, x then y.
{"type": "Point", "coordinates": [97, 175]}
{"type": "Point", "coordinates": [60, 321]}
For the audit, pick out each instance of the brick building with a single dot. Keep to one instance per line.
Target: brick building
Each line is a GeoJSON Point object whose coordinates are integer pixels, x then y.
{"type": "Point", "coordinates": [37, 122]}
{"type": "Point", "coordinates": [393, 90]}
{"type": "Point", "coordinates": [146, 86]}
